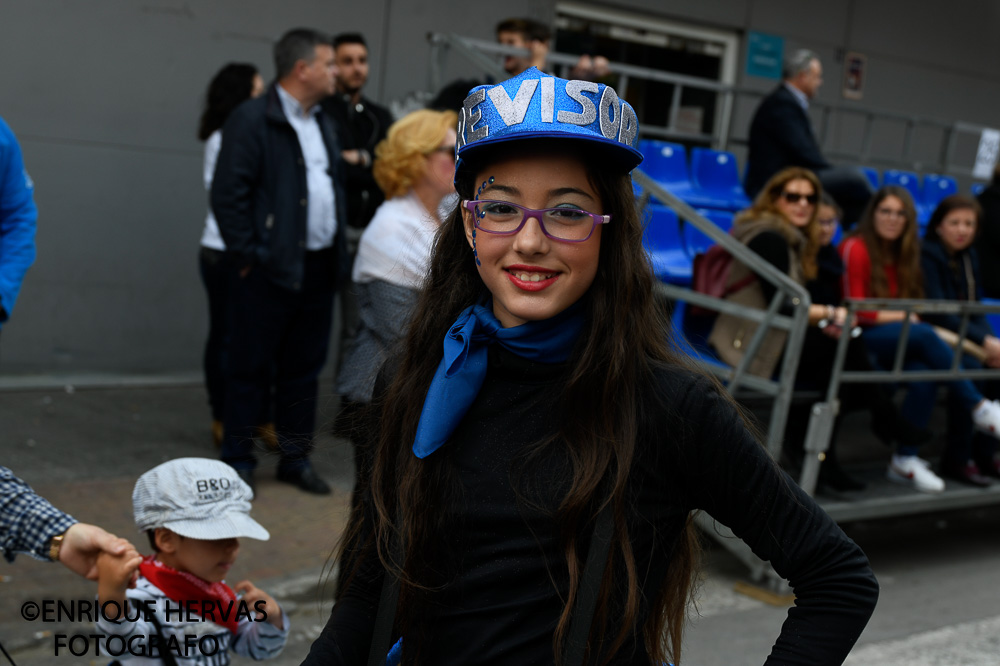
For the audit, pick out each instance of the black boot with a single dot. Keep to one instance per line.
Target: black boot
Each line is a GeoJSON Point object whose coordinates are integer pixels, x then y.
{"type": "Point", "coordinates": [889, 425]}
{"type": "Point", "coordinates": [833, 476]}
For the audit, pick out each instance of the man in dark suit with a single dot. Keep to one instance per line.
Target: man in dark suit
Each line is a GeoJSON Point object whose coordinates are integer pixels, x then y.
{"type": "Point", "coordinates": [280, 205]}
{"type": "Point", "coordinates": [781, 136]}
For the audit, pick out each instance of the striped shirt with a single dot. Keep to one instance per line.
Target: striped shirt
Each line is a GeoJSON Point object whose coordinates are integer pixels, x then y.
{"type": "Point", "coordinates": [193, 641]}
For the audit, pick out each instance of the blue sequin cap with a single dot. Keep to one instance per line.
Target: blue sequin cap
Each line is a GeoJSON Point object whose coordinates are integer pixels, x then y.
{"type": "Point", "coordinates": [534, 105]}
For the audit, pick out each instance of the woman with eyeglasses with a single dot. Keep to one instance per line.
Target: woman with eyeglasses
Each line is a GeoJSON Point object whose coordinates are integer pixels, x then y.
{"type": "Point", "coordinates": [539, 447]}
{"type": "Point", "coordinates": [784, 226]}
{"type": "Point", "coordinates": [414, 166]}
{"type": "Point", "coordinates": [951, 271]}
{"type": "Point", "coordinates": [882, 260]}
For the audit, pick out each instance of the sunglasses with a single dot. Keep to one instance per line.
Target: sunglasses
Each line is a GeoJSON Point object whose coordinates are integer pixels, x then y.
{"type": "Point", "coordinates": [795, 197]}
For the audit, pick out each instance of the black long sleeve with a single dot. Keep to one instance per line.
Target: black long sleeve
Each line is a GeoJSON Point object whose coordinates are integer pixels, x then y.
{"type": "Point", "coordinates": [772, 248]}
{"type": "Point", "coordinates": [942, 281]}
{"type": "Point", "coordinates": [505, 591]}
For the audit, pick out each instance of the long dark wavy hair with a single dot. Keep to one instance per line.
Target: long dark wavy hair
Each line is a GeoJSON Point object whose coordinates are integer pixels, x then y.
{"type": "Point", "coordinates": [904, 252]}
{"type": "Point", "coordinates": [624, 338]}
{"type": "Point", "coordinates": [230, 87]}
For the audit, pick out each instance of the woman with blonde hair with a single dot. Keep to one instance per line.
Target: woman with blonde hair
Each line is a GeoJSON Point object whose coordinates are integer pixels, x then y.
{"type": "Point", "coordinates": [414, 166]}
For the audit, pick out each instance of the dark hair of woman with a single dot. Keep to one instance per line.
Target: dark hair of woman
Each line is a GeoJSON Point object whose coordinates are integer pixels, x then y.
{"type": "Point", "coordinates": [827, 200]}
{"type": "Point", "coordinates": [766, 204]}
{"type": "Point", "coordinates": [230, 87]}
{"type": "Point", "coordinates": [904, 251]}
{"type": "Point", "coordinates": [946, 206]}
{"type": "Point", "coordinates": [624, 338]}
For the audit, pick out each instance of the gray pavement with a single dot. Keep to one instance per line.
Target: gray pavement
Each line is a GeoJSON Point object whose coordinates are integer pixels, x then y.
{"type": "Point", "coordinates": [83, 448]}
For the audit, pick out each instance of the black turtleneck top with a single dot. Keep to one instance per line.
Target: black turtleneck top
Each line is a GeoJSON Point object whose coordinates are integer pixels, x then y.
{"type": "Point", "coordinates": [502, 572]}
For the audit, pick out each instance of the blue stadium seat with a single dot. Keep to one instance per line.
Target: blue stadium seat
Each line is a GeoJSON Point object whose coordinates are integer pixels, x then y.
{"type": "Point", "coordinates": [666, 163]}
{"type": "Point", "coordinates": [977, 189]}
{"type": "Point", "coordinates": [935, 189]}
{"type": "Point", "coordinates": [668, 253]}
{"type": "Point", "coordinates": [682, 341]}
{"type": "Point", "coordinates": [716, 180]}
{"type": "Point", "coordinates": [696, 240]}
{"type": "Point", "coordinates": [872, 175]}
{"type": "Point", "coordinates": [906, 179]}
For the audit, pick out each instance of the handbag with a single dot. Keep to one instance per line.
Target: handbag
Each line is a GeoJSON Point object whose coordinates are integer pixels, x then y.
{"type": "Point", "coordinates": [710, 276]}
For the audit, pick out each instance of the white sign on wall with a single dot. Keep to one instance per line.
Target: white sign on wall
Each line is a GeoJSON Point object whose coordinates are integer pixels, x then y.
{"type": "Point", "coordinates": [986, 154]}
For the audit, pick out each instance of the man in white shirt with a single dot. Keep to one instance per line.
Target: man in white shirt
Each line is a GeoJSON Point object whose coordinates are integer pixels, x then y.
{"type": "Point", "coordinates": [278, 200]}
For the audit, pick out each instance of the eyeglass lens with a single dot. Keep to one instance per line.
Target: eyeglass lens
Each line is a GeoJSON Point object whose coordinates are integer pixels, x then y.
{"type": "Point", "coordinates": [501, 217]}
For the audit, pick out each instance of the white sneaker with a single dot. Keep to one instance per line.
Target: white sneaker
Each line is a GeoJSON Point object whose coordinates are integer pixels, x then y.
{"type": "Point", "coordinates": [911, 470]}
{"type": "Point", "coordinates": [986, 418]}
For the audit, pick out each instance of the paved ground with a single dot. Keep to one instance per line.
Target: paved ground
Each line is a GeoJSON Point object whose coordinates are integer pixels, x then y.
{"type": "Point", "coordinates": [83, 449]}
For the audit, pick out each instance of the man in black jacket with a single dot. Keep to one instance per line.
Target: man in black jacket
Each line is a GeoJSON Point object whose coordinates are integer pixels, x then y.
{"type": "Point", "coordinates": [781, 136]}
{"type": "Point", "coordinates": [360, 124]}
{"type": "Point", "coordinates": [278, 200]}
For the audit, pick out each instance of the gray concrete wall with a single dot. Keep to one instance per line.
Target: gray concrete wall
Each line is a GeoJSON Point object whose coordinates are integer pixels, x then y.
{"type": "Point", "coordinates": [104, 96]}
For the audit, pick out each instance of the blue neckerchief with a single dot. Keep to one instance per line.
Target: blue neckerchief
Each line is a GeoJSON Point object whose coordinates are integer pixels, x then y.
{"type": "Point", "coordinates": [462, 371]}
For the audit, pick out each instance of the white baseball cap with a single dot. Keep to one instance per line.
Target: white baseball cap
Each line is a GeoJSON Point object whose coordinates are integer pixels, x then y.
{"type": "Point", "coordinates": [198, 498]}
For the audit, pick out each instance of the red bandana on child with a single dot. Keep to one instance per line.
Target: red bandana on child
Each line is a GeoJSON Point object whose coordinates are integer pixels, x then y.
{"type": "Point", "coordinates": [186, 588]}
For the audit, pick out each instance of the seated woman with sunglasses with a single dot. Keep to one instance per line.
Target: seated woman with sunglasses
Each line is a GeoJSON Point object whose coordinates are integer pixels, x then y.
{"type": "Point", "coordinates": [539, 447]}
{"type": "Point", "coordinates": [882, 260]}
{"type": "Point", "coordinates": [783, 227]}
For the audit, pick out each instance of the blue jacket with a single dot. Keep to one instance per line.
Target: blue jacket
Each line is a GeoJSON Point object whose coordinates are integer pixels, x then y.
{"type": "Point", "coordinates": [260, 186]}
{"type": "Point", "coordinates": [953, 278]}
{"type": "Point", "coordinates": [18, 216]}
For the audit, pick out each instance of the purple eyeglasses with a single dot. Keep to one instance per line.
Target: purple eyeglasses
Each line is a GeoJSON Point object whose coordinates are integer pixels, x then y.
{"type": "Point", "coordinates": [569, 225]}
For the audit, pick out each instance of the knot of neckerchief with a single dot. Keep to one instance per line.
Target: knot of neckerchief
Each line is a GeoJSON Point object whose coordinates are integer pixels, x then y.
{"type": "Point", "coordinates": [190, 591]}
{"type": "Point", "coordinates": [462, 371]}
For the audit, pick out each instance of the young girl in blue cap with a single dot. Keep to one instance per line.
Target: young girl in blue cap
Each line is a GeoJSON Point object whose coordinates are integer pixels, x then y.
{"type": "Point", "coordinates": [539, 448]}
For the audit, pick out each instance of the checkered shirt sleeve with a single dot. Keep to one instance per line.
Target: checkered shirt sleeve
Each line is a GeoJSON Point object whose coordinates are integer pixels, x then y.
{"type": "Point", "coordinates": [27, 522]}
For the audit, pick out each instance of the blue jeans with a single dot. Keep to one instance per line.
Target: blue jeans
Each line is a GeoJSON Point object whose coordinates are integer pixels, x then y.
{"type": "Point", "coordinates": [964, 443]}
{"type": "Point", "coordinates": [924, 350]}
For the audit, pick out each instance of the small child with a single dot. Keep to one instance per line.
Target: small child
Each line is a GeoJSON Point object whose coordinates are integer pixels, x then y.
{"type": "Point", "coordinates": [181, 611]}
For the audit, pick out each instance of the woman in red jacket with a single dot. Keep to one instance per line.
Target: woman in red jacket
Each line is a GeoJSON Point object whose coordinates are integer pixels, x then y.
{"type": "Point", "coordinates": [882, 260]}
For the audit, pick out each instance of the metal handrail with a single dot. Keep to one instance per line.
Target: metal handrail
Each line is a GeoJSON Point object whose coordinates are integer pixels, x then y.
{"type": "Point", "coordinates": [479, 52]}
{"type": "Point", "coordinates": [786, 291]}
{"type": "Point", "coordinates": [818, 441]}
